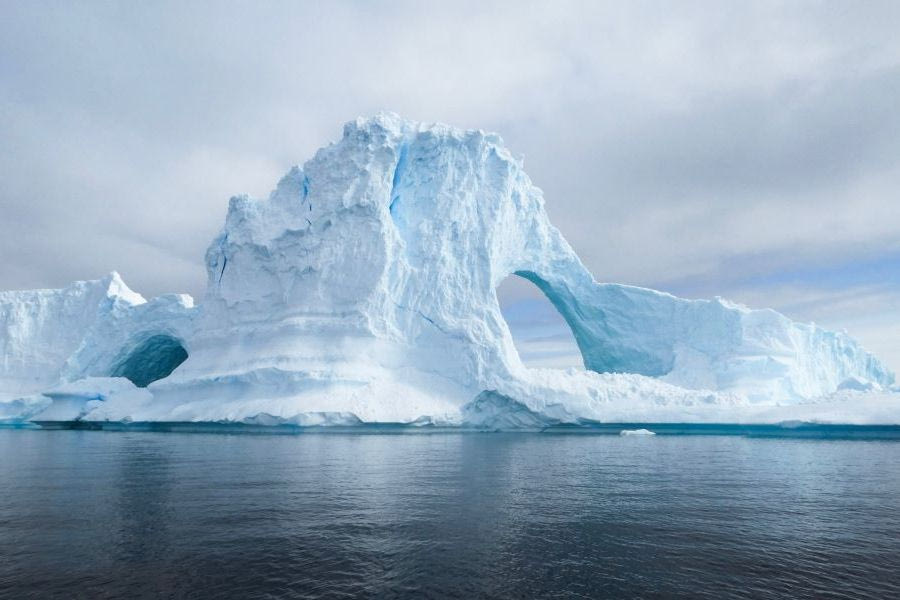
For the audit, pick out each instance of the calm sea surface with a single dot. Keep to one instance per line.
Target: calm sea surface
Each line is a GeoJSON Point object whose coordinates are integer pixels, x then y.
{"type": "Point", "coordinates": [131, 515]}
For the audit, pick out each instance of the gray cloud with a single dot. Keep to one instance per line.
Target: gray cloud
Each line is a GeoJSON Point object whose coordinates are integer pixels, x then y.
{"type": "Point", "coordinates": [699, 149]}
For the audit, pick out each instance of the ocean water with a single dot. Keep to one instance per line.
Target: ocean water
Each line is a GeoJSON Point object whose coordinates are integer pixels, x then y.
{"type": "Point", "coordinates": [90, 514]}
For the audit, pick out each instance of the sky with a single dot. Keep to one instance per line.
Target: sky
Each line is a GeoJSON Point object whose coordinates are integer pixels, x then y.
{"type": "Point", "coordinates": [743, 150]}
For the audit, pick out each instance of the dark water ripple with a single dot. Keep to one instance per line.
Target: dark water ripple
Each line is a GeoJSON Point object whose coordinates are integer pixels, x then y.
{"type": "Point", "coordinates": [149, 515]}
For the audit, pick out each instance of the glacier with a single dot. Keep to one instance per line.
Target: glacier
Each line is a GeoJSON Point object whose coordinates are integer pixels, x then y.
{"type": "Point", "coordinates": [363, 290]}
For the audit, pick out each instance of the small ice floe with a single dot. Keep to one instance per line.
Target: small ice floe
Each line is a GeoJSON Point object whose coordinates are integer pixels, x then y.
{"type": "Point", "coordinates": [636, 432]}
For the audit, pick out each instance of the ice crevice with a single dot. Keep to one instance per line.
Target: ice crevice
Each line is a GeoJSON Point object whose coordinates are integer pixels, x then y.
{"type": "Point", "coordinates": [398, 174]}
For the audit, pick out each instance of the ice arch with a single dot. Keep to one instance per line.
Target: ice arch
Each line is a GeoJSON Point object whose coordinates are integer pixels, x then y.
{"type": "Point", "coordinates": [617, 328]}
{"type": "Point", "coordinates": [153, 359]}
{"type": "Point", "coordinates": [541, 336]}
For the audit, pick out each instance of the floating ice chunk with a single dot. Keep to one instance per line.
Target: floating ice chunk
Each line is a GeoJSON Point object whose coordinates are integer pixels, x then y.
{"type": "Point", "coordinates": [636, 432]}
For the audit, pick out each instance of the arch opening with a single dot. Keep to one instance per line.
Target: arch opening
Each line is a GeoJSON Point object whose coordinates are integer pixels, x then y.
{"type": "Point", "coordinates": [541, 335]}
{"type": "Point", "coordinates": [153, 359]}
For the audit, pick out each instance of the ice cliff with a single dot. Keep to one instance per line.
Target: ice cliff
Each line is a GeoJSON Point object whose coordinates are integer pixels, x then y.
{"type": "Point", "coordinates": [363, 289]}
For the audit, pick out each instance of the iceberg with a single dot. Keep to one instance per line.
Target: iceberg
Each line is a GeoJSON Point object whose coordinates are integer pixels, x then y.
{"type": "Point", "coordinates": [363, 290]}
{"type": "Point", "coordinates": [48, 337]}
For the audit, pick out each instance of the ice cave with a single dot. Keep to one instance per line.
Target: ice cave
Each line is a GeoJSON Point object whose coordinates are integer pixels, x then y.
{"type": "Point", "coordinates": [153, 359]}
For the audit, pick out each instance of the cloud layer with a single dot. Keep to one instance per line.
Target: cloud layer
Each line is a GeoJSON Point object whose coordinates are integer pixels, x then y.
{"type": "Point", "coordinates": [717, 149]}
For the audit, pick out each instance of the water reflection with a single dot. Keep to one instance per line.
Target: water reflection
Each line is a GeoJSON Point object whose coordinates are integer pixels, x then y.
{"type": "Point", "coordinates": [465, 515]}
{"type": "Point", "coordinates": [143, 515]}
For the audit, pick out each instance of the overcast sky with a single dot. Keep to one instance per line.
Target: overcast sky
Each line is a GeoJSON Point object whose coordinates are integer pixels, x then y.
{"type": "Point", "coordinates": [748, 150]}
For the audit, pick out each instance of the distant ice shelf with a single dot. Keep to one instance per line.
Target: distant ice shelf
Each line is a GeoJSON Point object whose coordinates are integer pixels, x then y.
{"type": "Point", "coordinates": [363, 291]}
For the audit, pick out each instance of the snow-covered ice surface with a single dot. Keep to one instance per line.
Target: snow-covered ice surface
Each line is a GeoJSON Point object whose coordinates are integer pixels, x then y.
{"type": "Point", "coordinates": [363, 290]}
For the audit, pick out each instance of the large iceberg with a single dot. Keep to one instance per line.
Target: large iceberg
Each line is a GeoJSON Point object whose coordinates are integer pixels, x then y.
{"type": "Point", "coordinates": [364, 290]}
